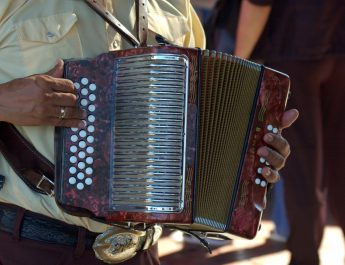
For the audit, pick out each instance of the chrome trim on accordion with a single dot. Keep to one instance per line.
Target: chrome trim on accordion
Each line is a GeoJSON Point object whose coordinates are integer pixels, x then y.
{"type": "Point", "coordinates": [151, 93]}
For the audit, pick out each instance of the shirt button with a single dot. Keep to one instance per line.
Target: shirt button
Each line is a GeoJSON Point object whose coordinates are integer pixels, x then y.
{"type": "Point", "coordinates": [50, 34]}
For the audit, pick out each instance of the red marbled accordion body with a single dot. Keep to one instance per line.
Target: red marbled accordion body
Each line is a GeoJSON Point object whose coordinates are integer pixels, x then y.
{"type": "Point", "coordinates": [249, 195]}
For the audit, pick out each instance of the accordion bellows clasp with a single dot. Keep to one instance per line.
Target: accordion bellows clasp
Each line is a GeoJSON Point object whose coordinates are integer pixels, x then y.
{"type": "Point", "coordinates": [171, 138]}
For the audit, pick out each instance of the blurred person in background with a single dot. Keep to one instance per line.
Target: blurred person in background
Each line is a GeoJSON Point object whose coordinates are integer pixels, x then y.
{"type": "Point", "coordinates": [203, 8]}
{"type": "Point", "coordinates": [306, 40]}
{"type": "Point", "coordinates": [221, 24]}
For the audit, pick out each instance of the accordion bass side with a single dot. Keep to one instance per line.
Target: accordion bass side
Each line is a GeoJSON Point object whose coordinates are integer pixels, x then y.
{"type": "Point", "coordinates": [171, 137]}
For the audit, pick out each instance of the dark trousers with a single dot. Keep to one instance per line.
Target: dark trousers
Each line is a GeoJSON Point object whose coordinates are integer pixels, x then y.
{"type": "Point", "coordinates": [315, 172]}
{"type": "Point", "coordinates": [17, 250]}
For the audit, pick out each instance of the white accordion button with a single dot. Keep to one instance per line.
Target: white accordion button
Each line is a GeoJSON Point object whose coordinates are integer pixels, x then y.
{"type": "Point", "coordinates": [80, 175]}
{"type": "Point", "coordinates": [76, 85]}
{"type": "Point", "coordinates": [92, 97]}
{"type": "Point", "coordinates": [74, 129]}
{"type": "Point", "coordinates": [257, 181]}
{"type": "Point", "coordinates": [73, 149]}
{"type": "Point", "coordinates": [74, 138]}
{"type": "Point", "coordinates": [275, 130]}
{"type": "Point", "coordinates": [82, 144]}
{"type": "Point", "coordinates": [84, 91]}
{"type": "Point", "coordinates": [90, 150]}
{"type": "Point", "coordinates": [81, 165]}
{"type": "Point", "coordinates": [92, 108]}
{"type": "Point", "coordinates": [263, 184]}
{"type": "Point", "coordinates": [91, 118]}
{"type": "Point", "coordinates": [92, 87]}
{"type": "Point", "coordinates": [89, 170]}
{"type": "Point", "coordinates": [84, 81]}
{"type": "Point", "coordinates": [73, 159]}
{"type": "Point", "coordinates": [88, 181]}
{"type": "Point", "coordinates": [80, 186]}
{"type": "Point", "coordinates": [81, 154]}
{"type": "Point", "coordinates": [82, 133]}
{"type": "Point", "coordinates": [262, 160]}
{"type": "Point", "coordinates": [72, 180]}
{"type": "Point", "coordinates": [72, 170]}
{"type": "Point", "coordinates": [89, 160]}
{"type": "Point", "coordinates": [84, 102]}
{"type": "Point", "coordinates": [269, 127]}
{"type": "Point", "coordinates": [259, 170]}
{"type": "Point", "coordinates": [91, 128]}
{"type": "Point", "coordinates": [90, 139]}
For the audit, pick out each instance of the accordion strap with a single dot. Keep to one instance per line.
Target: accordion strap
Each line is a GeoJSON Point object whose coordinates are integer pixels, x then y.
{"type": "Point", "coordinates": [142, 21]}
{"type": "Point", "coordinates": [31, 166]}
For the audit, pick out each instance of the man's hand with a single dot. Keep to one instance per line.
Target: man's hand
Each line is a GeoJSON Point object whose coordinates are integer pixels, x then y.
{"type": "Point", "coordinates": [278, 149]}
{"type": "Point", "coordinates": [40, 100]}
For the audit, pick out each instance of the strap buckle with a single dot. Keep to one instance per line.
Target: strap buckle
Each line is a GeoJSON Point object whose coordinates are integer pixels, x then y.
{"type": "Point", "coordinates": [40, 185]}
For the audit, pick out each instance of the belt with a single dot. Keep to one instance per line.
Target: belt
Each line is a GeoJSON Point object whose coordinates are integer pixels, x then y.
{"type": "Point", "coordinates": [115, 245]}
{"type": "Point", "coordinates": [41, 228]}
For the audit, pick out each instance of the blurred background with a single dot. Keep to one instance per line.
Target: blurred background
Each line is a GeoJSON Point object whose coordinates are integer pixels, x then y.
{"type": "Point", "coordinates": [269, 247]}
{"type": "Point", "coordinates": [266, 249]}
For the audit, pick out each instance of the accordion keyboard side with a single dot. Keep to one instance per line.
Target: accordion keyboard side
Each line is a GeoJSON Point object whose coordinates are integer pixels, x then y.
{"type": "Point", "coordinates": [83, 154]}
{"type": "Point", "coordinates": [240, 101]}
{"type": "Point", "coordinates": [135, 159]}
{"type": "Point", "coordinates": [251, 193]}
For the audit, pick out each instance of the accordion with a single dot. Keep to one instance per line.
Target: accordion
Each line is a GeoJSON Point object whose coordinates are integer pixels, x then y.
{"type": "Point", "coordinates": [171, 137]}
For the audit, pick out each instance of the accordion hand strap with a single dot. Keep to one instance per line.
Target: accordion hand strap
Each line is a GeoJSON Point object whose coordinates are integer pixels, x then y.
{"type": "Point", "coordinates": [142, 21]}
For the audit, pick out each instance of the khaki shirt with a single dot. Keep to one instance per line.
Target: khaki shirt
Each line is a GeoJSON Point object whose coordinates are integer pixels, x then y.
{"type": "Point", "coordinates": [34, 33]}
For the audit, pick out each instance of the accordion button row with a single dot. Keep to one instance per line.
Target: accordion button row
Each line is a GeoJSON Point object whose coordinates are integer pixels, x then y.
{"type": "Point", "coordinates": [80, 159]}
{"type": "Point", "coordinates": [271, 128]}
{"type": "Point", "coordinates": [259, 181]}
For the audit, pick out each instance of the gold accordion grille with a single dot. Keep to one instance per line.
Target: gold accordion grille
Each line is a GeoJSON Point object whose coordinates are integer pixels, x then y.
{"type": "Point", "coordinates": [228, 88]}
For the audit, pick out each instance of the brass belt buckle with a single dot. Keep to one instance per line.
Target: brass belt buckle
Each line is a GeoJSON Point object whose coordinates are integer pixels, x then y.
{"type": "Point", "coordinates": [118, 244]}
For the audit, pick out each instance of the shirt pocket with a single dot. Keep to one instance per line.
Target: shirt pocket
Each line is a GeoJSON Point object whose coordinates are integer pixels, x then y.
{"type": "Point", "coordinates": [43, 40]}
{"type": "Point", "coordinates": [173, 26]}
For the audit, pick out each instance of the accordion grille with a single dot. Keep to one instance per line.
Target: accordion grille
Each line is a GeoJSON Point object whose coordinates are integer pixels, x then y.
{"type": "Point", "coordinates": [228, 89]}
{"type": "Point", "coordinates": [149, 133]}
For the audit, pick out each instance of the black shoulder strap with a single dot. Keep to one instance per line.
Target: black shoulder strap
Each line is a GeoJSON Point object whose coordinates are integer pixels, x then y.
{"type": "Point", "coordinates": [31, 166]}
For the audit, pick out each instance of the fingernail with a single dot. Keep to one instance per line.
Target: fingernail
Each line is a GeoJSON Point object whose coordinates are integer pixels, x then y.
{"type": "Point", "coordinates": [267, 172]}
{"type": "Point", "coordinates": [262, 151]}
{"type": "Point", "coordinates": [268, 138]}
{"type": "Point", "coordinates": [82, 124]}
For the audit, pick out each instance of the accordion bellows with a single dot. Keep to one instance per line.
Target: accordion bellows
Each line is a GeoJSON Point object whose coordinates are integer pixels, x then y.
{"type": "Point", "coordinates": [171, 137]}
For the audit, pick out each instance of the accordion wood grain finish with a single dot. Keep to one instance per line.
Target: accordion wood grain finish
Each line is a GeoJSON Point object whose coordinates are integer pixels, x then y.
{"type": "Point", "coordinates": [171, 138]}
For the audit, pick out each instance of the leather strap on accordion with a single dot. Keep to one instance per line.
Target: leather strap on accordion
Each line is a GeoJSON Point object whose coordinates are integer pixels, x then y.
{"type": "Point", "coordinates": [142, 21]}
{"type": "Point", "coordinates": [33, 168]}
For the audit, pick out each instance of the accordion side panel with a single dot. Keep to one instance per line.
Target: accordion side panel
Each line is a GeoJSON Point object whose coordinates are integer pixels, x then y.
{"type": "Point", "coordinates": [83, 177]}
{"type": "Point", "coordinates": [251, 198]}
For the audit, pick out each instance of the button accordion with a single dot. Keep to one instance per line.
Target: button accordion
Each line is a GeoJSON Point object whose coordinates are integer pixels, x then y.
{"type": "Point", "coordinates": [171, 137]}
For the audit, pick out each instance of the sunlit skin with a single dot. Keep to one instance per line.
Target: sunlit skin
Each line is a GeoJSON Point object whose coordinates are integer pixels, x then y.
{"type": "Point", "coordinates": [37, 100]}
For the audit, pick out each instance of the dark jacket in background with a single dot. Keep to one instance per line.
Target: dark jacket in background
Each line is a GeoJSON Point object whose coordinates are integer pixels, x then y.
{"type": "Point", "coordinates": [310, 29]}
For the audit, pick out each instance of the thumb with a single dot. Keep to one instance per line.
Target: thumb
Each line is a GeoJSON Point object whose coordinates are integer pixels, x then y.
{"type": "Point", "coordinates": [57, 70]}
{"type": "Point", "coordinates": [289, 117]}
